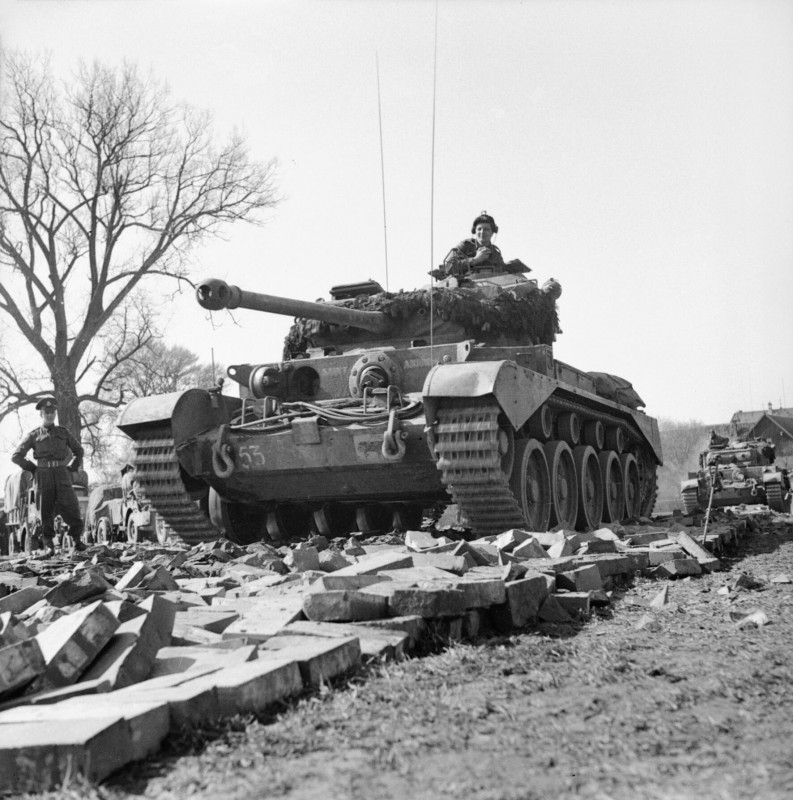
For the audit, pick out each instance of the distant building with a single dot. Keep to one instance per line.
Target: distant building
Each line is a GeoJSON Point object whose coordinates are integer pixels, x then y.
{"type": "Point", "coordinates": [779, 431]}
{"type": "Point", "coordinates": [742, 422]}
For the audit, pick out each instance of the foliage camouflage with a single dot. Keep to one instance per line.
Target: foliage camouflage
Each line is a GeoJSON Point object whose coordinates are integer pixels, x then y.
{"type": "Point", "coordinates": [531, 319]}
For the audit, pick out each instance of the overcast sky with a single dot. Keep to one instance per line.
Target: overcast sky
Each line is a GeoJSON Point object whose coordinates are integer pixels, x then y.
{"type": "Point", "coordinates": [639, 152]}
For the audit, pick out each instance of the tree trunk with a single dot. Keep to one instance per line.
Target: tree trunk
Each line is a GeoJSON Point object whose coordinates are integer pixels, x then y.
{"type": "Point", "coordinates": [66, 395]}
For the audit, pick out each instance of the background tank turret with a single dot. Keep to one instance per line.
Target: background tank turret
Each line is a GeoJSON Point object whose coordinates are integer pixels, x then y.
{"type": "Point", "coordinates": [738, 472]}
{"type": "Point", "coordinates": [386, 403]}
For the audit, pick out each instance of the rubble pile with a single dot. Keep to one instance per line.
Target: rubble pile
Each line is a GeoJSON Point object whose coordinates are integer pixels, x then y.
{"type": "Point", "coordinates": [102, 653]}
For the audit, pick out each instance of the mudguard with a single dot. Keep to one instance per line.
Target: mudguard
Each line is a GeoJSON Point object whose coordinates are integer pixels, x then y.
{"type": "Point", "coordinates": [519, 392]}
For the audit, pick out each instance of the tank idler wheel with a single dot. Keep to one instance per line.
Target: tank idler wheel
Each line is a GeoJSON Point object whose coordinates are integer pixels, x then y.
{"type": "Point", "coordinates": [374, 518]}
{"type": "Point", "coordinates": [569, 426]}
{"type": "Point", "coordinates": [590, 488]}
{"type": "Point", "coordinates": [615, 439]}
{"type": "Point", "coordinates": [132, 531]}
{"type": "Point", "coordinates": [564, 484]}
{"type": "Point", "coordinates": [774, 497]}
{"type": "Point", "coordinates": [104, 531]}
{"type": "Point", "coordinates": [240, 523]}
{"type": "Point", "coordinates": [690, 501]}
{"type": "Point", "coordinates": [334, 519]}
{"type": "Point", "coordinates": [288, 521]}
{"type": "Point", "coordinates": [407, 517]}
{"type": "Point", "coordinates": [633, 490]}
{"type": "Point", "coordinates": [594, 434]}
{"type": "Point", "coordinates": [540, 424]}
{"type": "Point", "coordinates": [531, 484]}
{"type": "Point", "coordinates": [613, 486]}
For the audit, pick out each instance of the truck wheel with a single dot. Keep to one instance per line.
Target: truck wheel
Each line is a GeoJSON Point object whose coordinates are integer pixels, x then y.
{"type": "Point", "coordinates": [104, 531]}
{"type": "Point", "coordinates": [132, 531]}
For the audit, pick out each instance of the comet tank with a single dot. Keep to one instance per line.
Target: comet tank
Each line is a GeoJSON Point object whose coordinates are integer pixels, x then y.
{"type": "Point", "coordinates": [384, 404]}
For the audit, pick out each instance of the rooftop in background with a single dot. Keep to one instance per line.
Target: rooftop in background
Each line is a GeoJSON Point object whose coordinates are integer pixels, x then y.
{"type": "Point", "coordinates": [751, 417]}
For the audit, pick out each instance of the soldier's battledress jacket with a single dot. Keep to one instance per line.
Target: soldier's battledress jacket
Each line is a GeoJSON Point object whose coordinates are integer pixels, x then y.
{"type": "Point", "coordinates": [54, 443]}
{"type": "Point", "coordinates": [458, 261]}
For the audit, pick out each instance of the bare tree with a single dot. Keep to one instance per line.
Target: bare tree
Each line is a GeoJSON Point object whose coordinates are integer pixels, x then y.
{"type": "Point", "coordinates": [102, 184]}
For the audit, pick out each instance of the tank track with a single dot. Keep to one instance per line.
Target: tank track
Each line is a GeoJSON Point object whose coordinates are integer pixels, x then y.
{"type": "Point", "coordinates": [467, 446]}
{"type": "Point", "coordinates": [774, 496]}
{"type": "Point", "coordinates": [690, 501]}
{"type": "Point", "coordinates": [158, 475]}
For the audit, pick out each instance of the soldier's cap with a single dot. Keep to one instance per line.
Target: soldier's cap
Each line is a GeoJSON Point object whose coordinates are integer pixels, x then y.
{"type": "Point", "coordinates": [484, 217]}
{"type": "Point", "coordinates": [47, 403]}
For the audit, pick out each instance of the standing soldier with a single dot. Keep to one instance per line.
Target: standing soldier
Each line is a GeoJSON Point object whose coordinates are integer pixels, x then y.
{"type": "Point", "coordinates": [54, 447]}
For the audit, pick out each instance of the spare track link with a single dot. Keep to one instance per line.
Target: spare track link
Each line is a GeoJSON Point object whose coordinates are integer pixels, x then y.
{"type": "Point", "coordinates": [467, 446]}
{"type": "Point", "coordinates": [157, 473]}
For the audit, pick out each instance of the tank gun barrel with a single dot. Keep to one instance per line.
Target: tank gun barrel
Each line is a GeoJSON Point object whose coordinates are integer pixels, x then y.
{"type": "Point", "coordinates": [214, 295]}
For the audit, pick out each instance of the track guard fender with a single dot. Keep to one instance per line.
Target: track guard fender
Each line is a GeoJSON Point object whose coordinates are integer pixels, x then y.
{"type": "Point", "coordinates": [519, 392]}
{"type": "Point", "coordinates": [689, 484]}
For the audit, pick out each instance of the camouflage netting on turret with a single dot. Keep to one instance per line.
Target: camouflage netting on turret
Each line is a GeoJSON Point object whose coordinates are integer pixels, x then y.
{"type": "Point", "coordinates": [532, 319]}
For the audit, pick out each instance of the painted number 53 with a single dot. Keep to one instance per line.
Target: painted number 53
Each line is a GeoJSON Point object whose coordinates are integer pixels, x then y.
{"type": "Point", "coordinates": [251, 456]}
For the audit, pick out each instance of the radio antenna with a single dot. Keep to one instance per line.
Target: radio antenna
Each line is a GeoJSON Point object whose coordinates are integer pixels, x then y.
{"type": "Point", "coordinates": [432, 176]}
{"type": "Point", "coordinates": [382, 166]}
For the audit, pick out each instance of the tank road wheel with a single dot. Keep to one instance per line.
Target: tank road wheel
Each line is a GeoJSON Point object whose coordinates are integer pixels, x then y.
{"type": "Point", "coordinates": [590, 487]}
{"type": "Point", "coordinates": [238, 522]}
{"type": "Point", "coordinates": [774, 497]}
{"type": "Point", "coordinates": [531, 484]}
{"type": "Point", "coordinates": [373, 518]}
{"type": "Point", "coordinates": [613, 486]}
{"type": "Point", "coordinates": [569, 427]}
{"type": "Point", "coordinates": [564, 484]}
{"type": "Point", "coordinates": [595, 434]}
{"type": "Point", "coordinates": [690, 501]}
{"type": "Point", "coordinates": [334, 519]}
{"type": "Point", "coordinates": [633, 494]}
{"type": "Point", "coordinates": [407, 517]}
{"type": "Point", "coordinates": [615, 439]}
{"type": "Point", "coordinates": [104, 531]}
{"type": "Point", "coordinates": [648, 480]}
{"type": "Point", "coordinates": [541, 424]}
{"type": "Point", "coordinates": [287, 521]}
{"type": "Point", "coordinates": [132, 531]}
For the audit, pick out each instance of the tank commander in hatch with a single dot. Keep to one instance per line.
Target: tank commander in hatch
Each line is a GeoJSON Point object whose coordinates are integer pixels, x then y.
{"type": "Point", "coordinates": [57, 453]}
{"type": "Point", "coordinates": [478, 254]}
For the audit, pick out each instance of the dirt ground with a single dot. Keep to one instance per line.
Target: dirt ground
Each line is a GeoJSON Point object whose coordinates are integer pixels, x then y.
{"type": "Point", "coordinates": [691, 706]}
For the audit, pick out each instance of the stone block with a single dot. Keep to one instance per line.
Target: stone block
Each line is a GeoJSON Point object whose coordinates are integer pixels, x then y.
{"type": "Point", "coordinates": [551, 611]}
{"type": "Point", "coordinates": [332, 560]}
{"type": "Point", "coordinates": [344, 606]}
{"type": "Point", "coordinates": [524, 598]}
{"type": "Point", "coordinates": [598, 546]}
{"type": "Point", "coordinates": [530, 548]}
{"type": "Point", "coordinates": [372, 564]}
{"type": "Point", "coordinates": [660, 556]}
{"type": "Point", "coordinates": [583, 579]}
{"type": "Point", "coordinates": [22, 599]}
{"type": "Point", "coordinates": [428, 602]}
{"type": "Point", "coordinates": [510, 539]}
{"type": "Point", "coordinates": [39, 756]}
{"type": "Point", "coordinates": [211, 618]}
{"type": "Point", "coordinates": [706, 560]}
{"type": "Point", "coordinates": [265, 617]}
{"type": "Point", "coordinates": [171, 660]}
{"type": "Point", "coordinates": [639, 558]}
{"type": "Point", "coordinates": [20, 663]}
{"type": "Point", "coordinates": [319, 658]}
{"type": "Point", "coordinates": [133, 576]}
{"type": "Point", "coordinates": [84, 584]}
{"type": "Point", "coordinates": [484, 553]}
{"type": "Point", "coordinates": [12, 630]}
{"type": "Point", "coordinates": [419, 540]}
{"type": "Point", "coordinates": [375, 642]}
{"type": "Point", "coordinates": [71, 643]}
{"type": "Point", "coordinates": [330, 583]}
{"type": "Point", "coordinates": [645, 538]}
{"type": "Point", "coordinates": [457, 565]}
{"type": "Point", "coordinates": [302, 559]}
{"type": "Point", "coordinates": [480, 592]}
{"type": "Point", "coordinates": [678, 568]}
{"type": "Point", "coordinates": [576, 604]}
{"type": "Point", "coordinates": [160, 580]}
{"type": "Point", "coordinates": [413, 625]}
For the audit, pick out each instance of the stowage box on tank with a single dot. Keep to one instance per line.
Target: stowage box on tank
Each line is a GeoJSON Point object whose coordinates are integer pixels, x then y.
{"type": "Point", "coordinates": [384, 404]}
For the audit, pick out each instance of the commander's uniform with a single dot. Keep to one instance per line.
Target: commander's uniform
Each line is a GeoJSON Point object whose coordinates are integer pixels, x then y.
{"type": "Point", "coordinates": [54, 447]}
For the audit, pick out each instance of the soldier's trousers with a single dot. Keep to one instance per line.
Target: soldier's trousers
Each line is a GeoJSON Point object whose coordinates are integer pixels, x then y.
{"type": "Point", "coordinates": [55, 495]}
